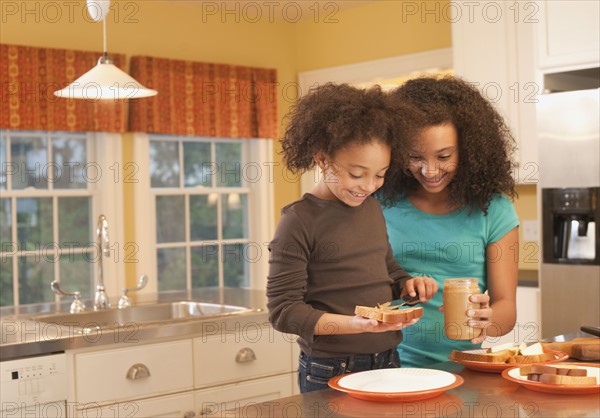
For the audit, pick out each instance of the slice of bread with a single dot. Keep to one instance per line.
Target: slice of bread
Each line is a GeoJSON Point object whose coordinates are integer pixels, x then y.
{"type": "Point", "coordinates": [384, 313]}
{"type": "Point", "coordinates": [533, 358]}
{"type": "Point", "coordinates": [497, 357]}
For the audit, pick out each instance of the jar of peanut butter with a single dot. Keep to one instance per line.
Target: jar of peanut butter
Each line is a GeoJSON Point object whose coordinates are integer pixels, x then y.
{"type": "Point", "coordinates": [456, 304]}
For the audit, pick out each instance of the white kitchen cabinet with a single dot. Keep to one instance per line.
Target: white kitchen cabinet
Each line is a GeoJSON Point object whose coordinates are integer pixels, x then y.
{"type": "Point", "coordinates": [217, 401]}
{"type": "Point", "coordinates": [253, 352]}
{"type": "Point", "coordinates": [183, 377]}
{"type": "Point", "coordinates": [493, 48]}
{"type": "Point", "coordinates": [173, 406]}
{"type": "Point", "coordinates": [145, 370]}
{"type": "Point", "coordinates": [568, 34]}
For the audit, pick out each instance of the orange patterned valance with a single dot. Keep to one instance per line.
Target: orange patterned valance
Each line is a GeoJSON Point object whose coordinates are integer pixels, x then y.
{"type": "Point", "coordinates": [29, 77]}
{"type": "Point", "coordinates": [200, 99]}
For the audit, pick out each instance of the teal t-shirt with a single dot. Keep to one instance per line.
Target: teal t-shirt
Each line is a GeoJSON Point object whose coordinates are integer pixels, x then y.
{"type": "Point", "coordinates": [443, 246]}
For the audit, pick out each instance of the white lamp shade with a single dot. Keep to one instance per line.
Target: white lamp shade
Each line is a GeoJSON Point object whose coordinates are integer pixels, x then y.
{"type": "Point", "coordinates": [98, 9]}
{"type": "Point", "coordinates": [105, 82]}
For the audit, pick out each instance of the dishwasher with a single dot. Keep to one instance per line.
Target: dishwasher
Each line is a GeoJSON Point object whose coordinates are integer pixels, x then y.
{"type": "Point", "coordinates": [34, 387]}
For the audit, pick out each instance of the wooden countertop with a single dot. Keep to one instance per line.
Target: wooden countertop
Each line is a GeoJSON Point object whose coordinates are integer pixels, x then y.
{"type": "Point", "coordinates": [482, 394]}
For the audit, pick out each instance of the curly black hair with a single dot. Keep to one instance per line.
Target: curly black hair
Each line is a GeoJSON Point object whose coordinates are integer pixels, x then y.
{"type": "Point", "coordinates": [332, 116]}
{"type": "Point", "coordinates": [485, 142]}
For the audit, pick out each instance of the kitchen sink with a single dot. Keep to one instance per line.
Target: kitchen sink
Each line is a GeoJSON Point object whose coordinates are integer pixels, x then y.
{"type": "Point", "coordinates": [140, 314]}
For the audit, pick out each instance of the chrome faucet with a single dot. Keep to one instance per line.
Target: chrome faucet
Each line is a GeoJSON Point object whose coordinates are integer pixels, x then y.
{"type": "Point", "coordinates": [101, 298]}
{"type": "Point", "coordinates": [125, 301]}
{"type": "Point", "coordinates": [77, 305]}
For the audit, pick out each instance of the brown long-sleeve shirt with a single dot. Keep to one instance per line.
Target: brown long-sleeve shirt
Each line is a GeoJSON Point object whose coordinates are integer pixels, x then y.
{"type": "Point", "coordinates": [329, 257]}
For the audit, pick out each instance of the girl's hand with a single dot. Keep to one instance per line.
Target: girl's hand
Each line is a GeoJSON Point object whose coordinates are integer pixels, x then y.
{"type": "Point", "coordinates": [371, 325]}
{"type": "Point", "coordinates": [482, 317]}
{"type": "Point", "coordinates": [425, 286]}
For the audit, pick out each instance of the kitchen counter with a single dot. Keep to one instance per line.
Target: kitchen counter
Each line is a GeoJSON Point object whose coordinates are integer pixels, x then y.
{"type": "Point", "coordinates": [481, 394]}
{"type": "Point", "coordinates": [21, 337]}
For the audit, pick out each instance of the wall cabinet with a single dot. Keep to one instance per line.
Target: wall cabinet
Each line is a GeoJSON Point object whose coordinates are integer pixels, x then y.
{"type": "Point", "coordinates": [505, 48]}
{"type": "Point", "coordinates": [493, 48]}
{"type": "Point", "coordinates": [194, 376]}
{"type": "Point", "coordinates": [568, 34]}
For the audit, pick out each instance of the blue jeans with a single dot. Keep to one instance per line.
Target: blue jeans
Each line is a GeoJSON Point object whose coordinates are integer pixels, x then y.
{"type": "Point", "coordinates": [315, 372]}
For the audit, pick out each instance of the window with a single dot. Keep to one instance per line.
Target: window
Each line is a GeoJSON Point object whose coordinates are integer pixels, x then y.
{"type": "Point", "coordinates": [52, 185]}
{"type": "Point", "coordinates": [207, 206]}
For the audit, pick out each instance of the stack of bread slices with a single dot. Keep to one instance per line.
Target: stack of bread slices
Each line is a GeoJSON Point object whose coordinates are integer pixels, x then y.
{"type": "Point", "coordinates": [557, 374]}
{"type": "Point", "coordinates": [506, 353]}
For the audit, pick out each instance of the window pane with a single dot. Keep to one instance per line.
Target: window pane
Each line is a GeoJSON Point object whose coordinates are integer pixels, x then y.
{"type": "Point", "coordinates": [203, 217]}
{"type": "Point", "coordinates": [170, 219]}
{"type": "Point", "coordinates": [70, 159]}
{"type": "Point", "coordinates": [30, 158]}
{"type": "Point", "coordinates": [6, 286]}
{"type": "Point", "coordinates": [171, 269]}
{"type": "Point", "coordinates": [34, 223]}
{"type": "Point", "coordinates": [6, 244]}
{"type": "Point", "coordinates": [35, 276]}
{"type": "Point", "coordinates": [76, 273]}
{"type": "Point", "coordinates": [3, 162]}
{"type": "Point", "coordinates": [205, 266]}
{"type": "Point", "coordinates": [228, 159]}
{"type": "Point", "coordinates": [235, 209]}
{"type": "Point", "coordinates": [74, 222]}
{"type": "Point", "coordinates": [197, 164]}
{"type": "Point", "coordinates": [235, 265]}
{"type": "Point", "coordinates": [164, 164]}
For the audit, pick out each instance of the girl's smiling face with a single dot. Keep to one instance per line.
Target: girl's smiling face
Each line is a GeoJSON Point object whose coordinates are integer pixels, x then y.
{"type": "Point", "coordinates": [434, 160]}
{"type": "Point", "coordinates": [353, 173]}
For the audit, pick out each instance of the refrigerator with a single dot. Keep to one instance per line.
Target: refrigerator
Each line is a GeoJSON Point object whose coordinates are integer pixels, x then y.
{"type": "Point", "coordinates": [568, 127]}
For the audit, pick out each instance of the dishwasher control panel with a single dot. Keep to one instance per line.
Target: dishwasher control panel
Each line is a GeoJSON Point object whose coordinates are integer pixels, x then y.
{"type": "Point", "coordinates": [33, 381]}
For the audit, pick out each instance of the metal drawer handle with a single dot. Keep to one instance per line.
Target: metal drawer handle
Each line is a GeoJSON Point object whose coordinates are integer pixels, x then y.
{"type": "Point", "coordinates": [245, 355]}
{"type": "Point", "coordinates": [138, 371]}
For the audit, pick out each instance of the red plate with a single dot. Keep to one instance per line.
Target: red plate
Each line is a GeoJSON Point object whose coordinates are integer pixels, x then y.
{"type": "Point", "coordinates": [514, 375]}
{"type": "Point", "coordinates": [392, 385]}
{"type": "Point", "coordinates": [482, 366]}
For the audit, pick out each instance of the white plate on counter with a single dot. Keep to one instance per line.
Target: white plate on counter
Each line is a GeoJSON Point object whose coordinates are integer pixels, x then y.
{"type": "Point", "coordinates": [396, 385]}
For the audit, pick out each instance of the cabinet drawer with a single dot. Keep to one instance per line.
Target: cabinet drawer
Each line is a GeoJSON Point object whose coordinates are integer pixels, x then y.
{"type": "Point", "coordinates": [221, 401]}
{"type": "Point", "coordinates": [104, 376]}
{"type": "Point", "coordinates": [232, 357]}
{"type": "Point", "coordinates": [173, 406]}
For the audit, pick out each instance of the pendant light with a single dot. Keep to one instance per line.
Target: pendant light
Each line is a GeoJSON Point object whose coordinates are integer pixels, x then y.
{"type": "Point", "coordinates": [105, 80]}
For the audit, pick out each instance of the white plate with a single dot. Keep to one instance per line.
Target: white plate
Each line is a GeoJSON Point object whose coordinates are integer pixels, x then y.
{"type": "Point", "coordinates": [397, 380]}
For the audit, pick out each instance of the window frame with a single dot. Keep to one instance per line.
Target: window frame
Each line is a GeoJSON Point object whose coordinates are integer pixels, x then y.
{"type": "Point", "coordinates": [104, 150]}
{"type": "Point", "coordinates": [260, 209]}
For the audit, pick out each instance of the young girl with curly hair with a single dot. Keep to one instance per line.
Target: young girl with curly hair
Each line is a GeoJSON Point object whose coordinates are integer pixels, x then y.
{"type": "Point", "coordinates": [448, 213]}
{"type": "Point", "coordinates": [331, 251]}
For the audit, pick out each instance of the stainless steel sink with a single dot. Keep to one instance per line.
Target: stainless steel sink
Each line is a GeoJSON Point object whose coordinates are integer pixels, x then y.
{"type": "Point", "coordinates": [140, 315]}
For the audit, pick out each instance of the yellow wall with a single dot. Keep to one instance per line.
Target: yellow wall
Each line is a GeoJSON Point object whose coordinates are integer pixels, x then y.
{"type": "Point", "coordinates": [377, 30]}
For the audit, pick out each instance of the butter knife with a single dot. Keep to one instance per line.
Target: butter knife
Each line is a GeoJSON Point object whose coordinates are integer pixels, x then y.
{"type": "Point", "coordinates": [409, 300]}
